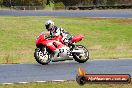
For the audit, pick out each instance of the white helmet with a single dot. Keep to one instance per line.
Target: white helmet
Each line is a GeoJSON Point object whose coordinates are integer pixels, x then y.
{"type": "Point", "coordinates": [49, 24]}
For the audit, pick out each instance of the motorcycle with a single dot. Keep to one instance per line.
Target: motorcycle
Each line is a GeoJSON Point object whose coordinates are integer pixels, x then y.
{"type": "Point", "coordinates": [53, 49]}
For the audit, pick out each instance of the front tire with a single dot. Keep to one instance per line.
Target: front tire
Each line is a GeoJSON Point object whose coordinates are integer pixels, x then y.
{"type": "Point", "coordinates": [41, 56]}
{"type": "Point", "coordinates": [81, 57]}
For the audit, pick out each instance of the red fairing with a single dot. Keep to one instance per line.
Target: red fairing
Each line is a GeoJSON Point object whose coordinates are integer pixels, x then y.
{"type": "Point", "coordinates": [50, 42]}
{"type": "Point", "coordinates": [40, 39]}
{"type": "Point", "coordinates": [77, 38]}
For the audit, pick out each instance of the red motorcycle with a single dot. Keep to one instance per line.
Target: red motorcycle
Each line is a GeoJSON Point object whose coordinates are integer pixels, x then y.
{"type": "Point", "coordinates": [53, 49]}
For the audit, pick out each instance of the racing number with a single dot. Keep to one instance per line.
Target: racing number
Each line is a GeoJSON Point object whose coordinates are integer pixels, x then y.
{"type": "Point", "coordinates": [68, 52]}
{"type": "Point", "coordinates": [61, 50]}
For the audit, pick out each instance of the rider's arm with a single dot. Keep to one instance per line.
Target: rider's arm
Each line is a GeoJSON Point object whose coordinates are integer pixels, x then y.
{"type": "Point", "coordinates": [49, 35]}
{"type": "Point", "coordinates": [57, 32]}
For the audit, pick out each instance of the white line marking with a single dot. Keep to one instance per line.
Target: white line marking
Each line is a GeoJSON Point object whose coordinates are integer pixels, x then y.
{"type": "Point", "coordinates": [23, 82]}
{"type": "Point", "coordinates": [7, 83]}
{"type": "Point", "coordinates": [40, 81]}
{"type": "Point", "coordinates": [58, 80]}
{"type": "Point", "coordinates": [36, 81]}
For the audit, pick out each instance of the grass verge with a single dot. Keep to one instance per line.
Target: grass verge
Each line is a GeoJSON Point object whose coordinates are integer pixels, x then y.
{"type": "Point", "coordinates": [69, 84]}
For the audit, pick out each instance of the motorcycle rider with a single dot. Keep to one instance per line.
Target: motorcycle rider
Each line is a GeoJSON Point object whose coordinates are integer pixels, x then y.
{"type": "Point", "coordinates": [56, 31]}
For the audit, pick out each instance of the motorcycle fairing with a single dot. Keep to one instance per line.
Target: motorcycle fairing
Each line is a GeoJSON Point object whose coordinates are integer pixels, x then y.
{"type": "Point", "coordinates": [50, 43]}
{"type": "Point", "coordinates": [62, 54]}
{"type": "Point", "coordinates": [77, 38]}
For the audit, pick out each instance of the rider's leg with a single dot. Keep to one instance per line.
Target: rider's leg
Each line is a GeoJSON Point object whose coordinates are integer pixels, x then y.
{"type": "Point", "coordinates": [66, 40]}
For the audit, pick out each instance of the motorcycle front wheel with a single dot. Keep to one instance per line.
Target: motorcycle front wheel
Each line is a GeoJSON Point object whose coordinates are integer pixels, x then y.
{"type": "Point", "coordinates": [81, 57]}
{"type": "Point", "coordinates": [42, 56]}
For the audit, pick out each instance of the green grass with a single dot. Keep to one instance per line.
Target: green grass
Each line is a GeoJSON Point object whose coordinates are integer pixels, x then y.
{"type": "Point", "coordinates": [105, 38]}
{"type": "Point", "coordinates": [69, 84]}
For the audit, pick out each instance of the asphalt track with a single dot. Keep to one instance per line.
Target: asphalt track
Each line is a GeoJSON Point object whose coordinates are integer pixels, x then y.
{"type": "Point", "coordinates": [89, 13]}
{"type": "Point", "coordinates": [21, 73]}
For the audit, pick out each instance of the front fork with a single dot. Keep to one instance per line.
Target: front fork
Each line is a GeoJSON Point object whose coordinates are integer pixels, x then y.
{"type": "Point", "coordinates": [43, 50]}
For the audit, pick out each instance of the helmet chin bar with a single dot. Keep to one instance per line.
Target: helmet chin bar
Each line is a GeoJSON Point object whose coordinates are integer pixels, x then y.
{"type": "Point", "coordinates": [47, 26]}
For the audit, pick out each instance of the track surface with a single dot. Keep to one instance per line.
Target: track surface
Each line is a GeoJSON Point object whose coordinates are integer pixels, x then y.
{"type": "Point", "coordinates": [60, 71]}
{"type": "Point", "coordinates": [91, 13]}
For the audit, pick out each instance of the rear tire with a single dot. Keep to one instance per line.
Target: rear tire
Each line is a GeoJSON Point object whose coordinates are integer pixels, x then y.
{"type": "Point", "coordinates": [78, 57]}
{"type": "Point", "coordinates": [40, 57]}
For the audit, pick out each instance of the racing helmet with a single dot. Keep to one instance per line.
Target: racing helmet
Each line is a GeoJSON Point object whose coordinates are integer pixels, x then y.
{"type": "Point", "coordinates": [49, 24]}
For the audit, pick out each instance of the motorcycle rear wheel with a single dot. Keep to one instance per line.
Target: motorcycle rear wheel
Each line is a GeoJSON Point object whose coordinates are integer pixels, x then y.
{"type": "Point", "coordinates": [41, 56]}
{"type": "Point", "coordinates": [78, 57]}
